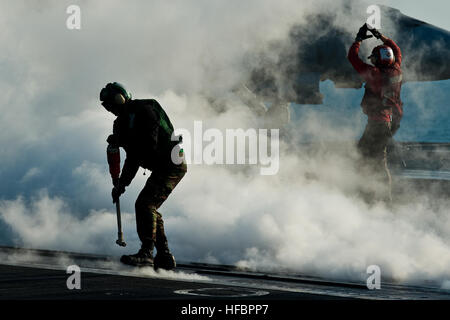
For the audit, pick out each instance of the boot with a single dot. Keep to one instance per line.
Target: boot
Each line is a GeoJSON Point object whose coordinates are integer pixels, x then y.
{"type": "Point", "coordinates": [164, 259]}
{"type": "Point", "coordinates": [144, 258]}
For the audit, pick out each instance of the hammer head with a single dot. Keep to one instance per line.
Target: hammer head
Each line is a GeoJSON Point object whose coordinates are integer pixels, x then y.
{"type": "Point", "coordinates": [119, 240]}
{"type": "Point", "coordinates": [121, 243]}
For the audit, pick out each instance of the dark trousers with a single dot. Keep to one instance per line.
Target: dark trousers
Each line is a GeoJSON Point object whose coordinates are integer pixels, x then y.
{"type": "Point", "coordinates": [150, 224]}
{"type": "Point", "coordinates": [372, 147]}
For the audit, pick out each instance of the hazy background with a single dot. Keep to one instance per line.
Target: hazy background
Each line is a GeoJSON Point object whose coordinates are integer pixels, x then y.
{"type": "Point", "coordinates": [55, 190]}
{"type": "Point", "coordinates": [433, 11]}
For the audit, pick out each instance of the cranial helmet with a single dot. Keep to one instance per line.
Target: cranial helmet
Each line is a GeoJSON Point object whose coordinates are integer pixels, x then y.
{"type": "Point", "coordinates": [383, 55]}
{"type": "Point", "coordinates": [115, 93]}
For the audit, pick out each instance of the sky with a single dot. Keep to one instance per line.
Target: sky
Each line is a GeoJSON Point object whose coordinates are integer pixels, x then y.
{"type": "Point", "coordinates": [55, 191]}
{"type": "Point", "coordinates": [433, 11]}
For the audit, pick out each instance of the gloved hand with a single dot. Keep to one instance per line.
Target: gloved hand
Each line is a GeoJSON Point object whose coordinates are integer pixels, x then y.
{"type": "Point", "coordinates": [116, 192]}
{"type": "Point", "coordinates": [362, 34]}
{"type": "Point", "coordinates": [375, 33]}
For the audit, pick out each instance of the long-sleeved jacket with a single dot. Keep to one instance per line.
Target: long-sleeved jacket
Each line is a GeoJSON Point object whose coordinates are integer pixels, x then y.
{"type": "Point", "coordinates": [382, 96]}
{"type": "Point", "coordinates": [144, 131]}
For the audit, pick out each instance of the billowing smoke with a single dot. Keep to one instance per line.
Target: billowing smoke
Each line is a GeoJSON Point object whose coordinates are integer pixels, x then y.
{"type": "Point", "coordinates": [191, 56]}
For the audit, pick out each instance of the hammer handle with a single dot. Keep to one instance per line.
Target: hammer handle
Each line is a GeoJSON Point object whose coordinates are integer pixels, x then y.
{"type": "Point", "coordinates": [119, 219]}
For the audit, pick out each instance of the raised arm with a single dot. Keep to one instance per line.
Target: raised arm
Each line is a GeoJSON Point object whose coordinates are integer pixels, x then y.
{"type": "Point", "coordinates": [395, 48]}
{"type": "Point", "coordinates": [355, 60]}
{"type": "Point", "coordinates": [363, 69]}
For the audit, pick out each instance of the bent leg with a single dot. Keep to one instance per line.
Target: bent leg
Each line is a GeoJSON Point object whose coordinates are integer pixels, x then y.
{"type": "Point", "coordinates": [150, 225]}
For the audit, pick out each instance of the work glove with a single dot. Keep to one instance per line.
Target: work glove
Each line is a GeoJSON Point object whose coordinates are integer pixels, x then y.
{"type": "Point", "coordinates": [116, 192]}
{"type": "Point", "coordinates": [375, 33]}
{"type": "Point", "coordinates": [362, 34]}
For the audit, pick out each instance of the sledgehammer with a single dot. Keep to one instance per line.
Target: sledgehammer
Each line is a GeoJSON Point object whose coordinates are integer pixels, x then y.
{"type": "Point", "coordinates": [113, 156]}
{"type": "Point", "coordinates": [119, 240]}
